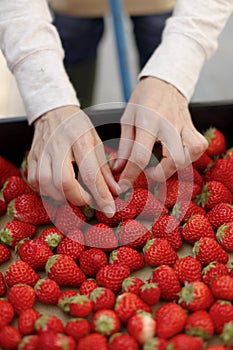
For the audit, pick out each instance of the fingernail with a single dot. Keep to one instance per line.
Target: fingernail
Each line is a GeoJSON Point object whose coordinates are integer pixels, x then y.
{"type": "Point", "coordinates": [109, 211]}
{"type": "Point", "coordinates": [116, 164]}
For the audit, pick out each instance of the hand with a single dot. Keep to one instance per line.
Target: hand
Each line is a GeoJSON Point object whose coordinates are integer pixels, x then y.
{"type": "Point", "coordinates": [156, 111]}
{"type": "Point", "coordinates": [62, 136]}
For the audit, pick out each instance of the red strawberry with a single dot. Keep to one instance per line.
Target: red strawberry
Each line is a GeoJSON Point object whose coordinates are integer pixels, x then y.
{"type": "Point", "coordinates": [132, 284]}
{"type": "Point", "coordinates": [213, 270]}
{"type": "Point", "coordinates": [88, 286]}
{"type": "Point", "coordinates": [220, 214]}
{"type": "Point", "coordinates": [112, 275]}
{"type": "Point", "coordinates": [28, 208]}
{"type": "Point", "coordinates": [197, 226]}
{"type": "Point", "coordinates": [29, 342]}
{"type": "Point", "coordinates": [133, 234]}
{"type": "Point", "coordinates": [51, 236]}
{"type": "Point", "coordinates": [5, 254]}
{"type": "Point", "coordinates": [216, 347]}
{"type": "Point", "coordinates": [102, 298]}
{"type": "Point", "coordinates": [14, 231]}
{"type": "Point", "coordinates": [127, 256]}
{"type": "Point", "coordinates": [141, 327]}
{"type": "Point", "coordinates": [64, 299]}
{"type": "Point", "coordinates": [229, 154]}
{"type": "Point", "coordinates": [21, 297]}
{"type": "Point", "coordinates": [52, 341]}
{"type": "Point", "coordinates": [77, 328]}
{"type": "Point", "coordinates": [62, 269]}
{"type": "Point", "coordinates": [203, 162]}
{"type": "Point", "coordinates": [185, 209]}
{"type": "Point", "coordinates": [3, 207]}
{"type": "Point", "coordinates": [72, 244]}
{"type": "Point", "coordinates": [7, 313]}
{"type": "Point", "coordinates": [34, 252]}
{"type": "Point", "coordinates": [216, 140]}
{"type": "Point", "coordinates": [196, 296]}
{"type": "Point", "coordinates": [173, 191]}
{"type": "Point", "coordinates": [124, 211]}
{"type": "Point", "coordinates": [147, 206]}
{"type": "Point", "coordinates": [188, 174]}
{"type": "Point", "coordinates": [105, 322]}
{"type": "Point", "coordinates": [92, 260]}
{"type": "Point", "coordinates": [222, 171]}
{"type": "Point", "coordinates": [2, 286]}
{"type": "Point", "coordinates": [168, 282]}
{"type": "Point", "coordinates": [101, 236]}
{"type": "Point", "coordinates": [167, 226]}
{"type": "Point", "coordinates": [14, 187]}
{"type": "Point", "coordinates": [188, 269]}
{"type": "Point", "coordinates": [7, 169]}
{"type": "Point", "coordinates": [119, 341]}
{"type": "Point", "coordinates": [213, 193]}
{"type": "Point", "coordinates": [207, 250]}
{"type": "Point", "coordinates": [80, 306]}
{"type": "Point", "coordinates": [200, 324]}
{"type": "Point", "coordinates": [158, 251]}
{"type": "Point", "coordinates": [150, 293]}
{"type": "Point", "coordinates": [69, 218]}
{"type": "Point", "coordinates": [9, 338]}
{"type": "Point", "coordinates": [222, 287]}
{"type": "Point", "coordinates": [170, 320]}
{"type": "Point", "coordinates": [221, 312]}
{"type": "Point", "coordinates": [26, 321]}
{"type": "Point", "coordinates": [185, 341]}
{"type": "Point", "coordinates": [93, 341]}
{"type": "Point", "coordinates": [46, 324]}
{"type": "Point", "coordinates": [47, 291]}
{"type": "Point", "coordinates": [127, 304]}
{"type": "Point", "coordinates": [20, 272]}
{"type": "Point", "coordinates": [224, 236]}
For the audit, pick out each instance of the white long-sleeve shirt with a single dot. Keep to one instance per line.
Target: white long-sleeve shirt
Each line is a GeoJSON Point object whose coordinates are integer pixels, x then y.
{"type": "Point", "coordinates": [34, 53]}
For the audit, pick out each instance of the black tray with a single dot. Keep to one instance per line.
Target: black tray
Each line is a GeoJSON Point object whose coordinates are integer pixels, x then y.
{"type": "Point", "coordinates": [16, 135]}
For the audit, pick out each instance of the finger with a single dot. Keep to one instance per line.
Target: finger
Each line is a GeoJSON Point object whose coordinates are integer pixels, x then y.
{"type": "Point", "coordinates": [90, 171]}
{"type": "Point", "coordinates": [139, 158]}
{"type": "Point", "coordinates": [32, 174]}
{"type": "Point", "coordinates": [194, 142]}
{"type": "Point", "coordinates": [126, 139]}
{"type": "Point", "coordinates": [106, 171]}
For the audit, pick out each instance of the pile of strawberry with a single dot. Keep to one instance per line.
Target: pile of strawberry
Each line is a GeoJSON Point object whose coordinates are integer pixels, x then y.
{"type": "Point", "coordinates": [122, 282]}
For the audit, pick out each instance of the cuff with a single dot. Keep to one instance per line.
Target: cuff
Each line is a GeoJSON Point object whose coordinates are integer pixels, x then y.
{"type": "Point", "coordinates": [43, 83]}
{"type": "Point", "coordinates": [178, 61]}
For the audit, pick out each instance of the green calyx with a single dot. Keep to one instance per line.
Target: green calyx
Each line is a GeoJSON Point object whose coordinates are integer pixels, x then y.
{"type": "Point", "coordinates": [221, 232]}
{"type": "Point", "coordinates": [96, 293]}
{"type": "Point", "coordinates": [211, 265]}
{"type": "Point", "coordinates": [227, 334]}
{"type": "Point", "coordinates": [151, 344]}
{"type": "Point", "coordinates": [41, 322]}
{"type": "Point", "coordinates": [88, 211]}
{"type": "Point", "coordinates": [127, 282]}
{"type": "Point", "coordinates": [199, 332]}
{"type": "Point", "coordinates": [148, 244]}
{"type": "Point", "coordinates": [11, 208]}
{"type": "Point", "coordinates": [53, 239]}
{"type": "Point", "coordinates": [202, 198]}
{"type": "Point", "coordinates": [151, 285]}
{"type": "Point", "coordinates": [51, 261]}
{"type": "Point", "coordinates": [209, 134]}
{"type": "Point", "coordinates": [104, 324]}
{"type": "Point", "coordinates": [39, 283]}
{"type": "Point", "coordinates": [79, 299]}
{"type": "Point", "coordinates": [176, 210]}
{"type": "Point", "coordinates": [195, 249]}
{"type": "Point", "coordinates": [186, 294]}
{"type": "Point", "coordinates": [5, 236]}
{"type": "Point", "coordinates": [113, 256]}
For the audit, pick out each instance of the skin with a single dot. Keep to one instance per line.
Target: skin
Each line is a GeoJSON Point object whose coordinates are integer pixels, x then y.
{"type": "Point", "coordinates": [156, 111]}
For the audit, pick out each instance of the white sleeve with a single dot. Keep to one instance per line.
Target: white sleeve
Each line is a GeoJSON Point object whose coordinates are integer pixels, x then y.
{"type": "Point", "coordinates": [189, 39]}
{"type": "Point", "coordinates": [34, 54]}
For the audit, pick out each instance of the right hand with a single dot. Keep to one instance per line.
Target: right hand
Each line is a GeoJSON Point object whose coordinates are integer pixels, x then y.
{"type": "Point", "coordinates": [62, 136]}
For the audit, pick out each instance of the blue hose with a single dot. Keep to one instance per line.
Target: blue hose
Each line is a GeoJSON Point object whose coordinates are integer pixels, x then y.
{"type": "Point", "coordinates": [118, 23]}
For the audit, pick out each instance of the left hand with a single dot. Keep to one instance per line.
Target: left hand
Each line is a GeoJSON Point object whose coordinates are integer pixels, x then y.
{"type": "Point", "coordinates": [157, 111]}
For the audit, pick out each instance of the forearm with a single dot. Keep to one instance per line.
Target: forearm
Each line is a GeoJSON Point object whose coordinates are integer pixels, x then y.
{"type": "Point", "coordinates": [189, 39]}
{"type": "Point", "coordinates": [34, 54]}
